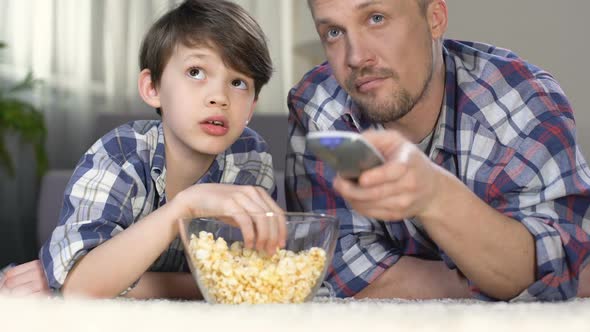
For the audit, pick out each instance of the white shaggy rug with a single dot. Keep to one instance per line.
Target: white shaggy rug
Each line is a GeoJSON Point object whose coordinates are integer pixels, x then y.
{"type": "Point", "coordinates": [18, 314]}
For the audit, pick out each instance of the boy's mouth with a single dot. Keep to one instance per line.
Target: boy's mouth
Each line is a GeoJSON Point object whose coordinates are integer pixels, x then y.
{"type": "Point", "coordinates": [215, 122]}
{"type": "Point", "coordinates": [215, 126]}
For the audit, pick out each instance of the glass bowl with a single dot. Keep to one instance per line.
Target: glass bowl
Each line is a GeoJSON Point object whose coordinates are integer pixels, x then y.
{"type": "Point", "coordinates": [227, 273]}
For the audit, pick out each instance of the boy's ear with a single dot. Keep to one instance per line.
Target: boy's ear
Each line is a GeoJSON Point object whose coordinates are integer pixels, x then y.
{"type": "Point", "coordinates": [251, 111]}
{"type": "Point", "coordinates": [147, 89]}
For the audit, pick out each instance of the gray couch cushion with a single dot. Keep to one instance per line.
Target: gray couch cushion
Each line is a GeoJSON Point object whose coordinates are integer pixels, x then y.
{"type": "Point", "coordinates": [51, 195]}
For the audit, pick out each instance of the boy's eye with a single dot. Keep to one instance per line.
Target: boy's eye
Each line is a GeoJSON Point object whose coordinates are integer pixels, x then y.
{"type": "Point", "coordinates": [239, 84]}
{"type": "Point", "coordinates": [196, 73]}
{"type": "Point", "coordinates": [377, 18]}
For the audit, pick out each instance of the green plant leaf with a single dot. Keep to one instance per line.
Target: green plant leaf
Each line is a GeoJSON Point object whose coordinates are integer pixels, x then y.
{"type": "Point", "coordinates": [5, 160]}
{"type": "Point", "coordinates": [22, 118]}
{"type": "Point", "coordinates": [25, 120]}
{"type": "Point", "coordinates": [26, 84]}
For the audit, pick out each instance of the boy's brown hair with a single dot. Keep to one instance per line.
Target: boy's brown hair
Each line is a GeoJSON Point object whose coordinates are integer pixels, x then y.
{"type": "Point", "coordinates": [220, 24]}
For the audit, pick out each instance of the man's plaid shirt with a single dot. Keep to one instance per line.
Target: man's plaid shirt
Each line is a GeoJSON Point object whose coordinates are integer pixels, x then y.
{"type": "Point", "coordinates": [506, 130]}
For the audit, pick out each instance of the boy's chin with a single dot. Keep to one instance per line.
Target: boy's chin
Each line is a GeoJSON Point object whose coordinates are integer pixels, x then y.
{"type": "Point", "coordinates": [211, 151]}
{"type": "Point", "coordinates": [214, 148]}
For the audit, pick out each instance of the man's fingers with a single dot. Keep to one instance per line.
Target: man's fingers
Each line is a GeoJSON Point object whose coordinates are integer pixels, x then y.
{"type": "Point", "coordinates": [355, 193]}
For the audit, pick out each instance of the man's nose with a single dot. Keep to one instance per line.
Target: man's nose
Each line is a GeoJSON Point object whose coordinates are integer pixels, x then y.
{"type": "Point", "coordinates": [359, 54]}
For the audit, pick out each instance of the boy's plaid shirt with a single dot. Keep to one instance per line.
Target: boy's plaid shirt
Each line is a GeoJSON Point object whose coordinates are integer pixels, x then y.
{"type": "Point", "coordinates": [121, 179]}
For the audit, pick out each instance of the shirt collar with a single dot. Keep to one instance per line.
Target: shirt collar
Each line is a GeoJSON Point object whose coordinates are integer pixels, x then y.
{"type": "Point", "coordinates": [158, 169]}
{"type": "Point", "coordinates": [444, 134]}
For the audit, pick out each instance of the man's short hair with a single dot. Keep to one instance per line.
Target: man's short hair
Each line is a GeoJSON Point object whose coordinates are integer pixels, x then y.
{"type": "Point", "coordinates": [220, 24]}
{"type": "Point", "coordinates": [424, 5]}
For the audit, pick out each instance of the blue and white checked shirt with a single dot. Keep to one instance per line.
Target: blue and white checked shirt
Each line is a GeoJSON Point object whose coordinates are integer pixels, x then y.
{"type": "Point", "coordinates": [506, 130]}
{"type": "Point", "coordinates": [121, 179]}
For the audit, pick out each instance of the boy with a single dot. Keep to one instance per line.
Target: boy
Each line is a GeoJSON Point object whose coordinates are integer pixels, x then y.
{"type": "Point", "coordinates": [202, 67]}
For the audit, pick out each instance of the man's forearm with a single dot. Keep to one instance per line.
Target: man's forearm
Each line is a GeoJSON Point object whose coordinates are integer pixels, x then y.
{"type": "Point", "coordinates": [170, 285]}
{"type": "Point", "coordinates": [413, 278]}
{"type": "Point", "coordinates": [495, 252]}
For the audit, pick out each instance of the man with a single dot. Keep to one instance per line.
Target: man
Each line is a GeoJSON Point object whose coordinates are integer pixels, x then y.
{"type": "Point", "coordinates": [484, 193]}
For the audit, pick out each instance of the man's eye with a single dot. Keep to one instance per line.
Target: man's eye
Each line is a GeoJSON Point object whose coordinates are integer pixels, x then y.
{"type": "Point", "coordinates": [377, 18]}
{"type": "Point", "coordinates": [239, 84]}
{"type": "Point", "coordinates": [196, 73]}
{"type": "Point", "coordinates": [333, 33]}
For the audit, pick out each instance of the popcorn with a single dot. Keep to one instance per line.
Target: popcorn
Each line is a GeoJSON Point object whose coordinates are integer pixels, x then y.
{"type": "Point", "coordinates": [235, 275]}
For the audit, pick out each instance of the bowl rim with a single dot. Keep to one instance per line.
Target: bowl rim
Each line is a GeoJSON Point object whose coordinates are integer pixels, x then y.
{"type": "Point", "coordinates": [302, 214]}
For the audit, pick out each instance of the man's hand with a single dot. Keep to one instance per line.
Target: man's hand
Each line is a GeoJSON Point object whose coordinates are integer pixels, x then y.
{"type": "Point", "coordinates": [25, 279]}
{"type": "Point", "coordinates": [405, 186]}
{"type": "Point", "coordinates": [482, 242]}
{"type": "Point", "coordinates": [250, 208]}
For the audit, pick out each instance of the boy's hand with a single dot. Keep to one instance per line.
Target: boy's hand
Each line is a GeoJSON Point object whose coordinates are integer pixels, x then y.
{"type": "Point", "coordinates": [250, 208]}
{"type": "Point", "coordinates": [25, 279]}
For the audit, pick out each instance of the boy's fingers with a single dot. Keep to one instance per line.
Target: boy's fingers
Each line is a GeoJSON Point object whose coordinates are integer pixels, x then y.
{"type": "Point", "coordinates": [278, 220]}
{"type": "Point", "coordinates": [20, 279]}
{"type": "Point", "coordinates": [28, 288]}
{"type": "Point", "coordinates": [22, 268]}
{"type": "Point", "coordinates": [262, 230]}
{"type": "Point", "coordinates": [247, 227]}
{"type": "Point", "coordinates": [255, 211]}
{"type": "Point", "coordinates": [272, 244]}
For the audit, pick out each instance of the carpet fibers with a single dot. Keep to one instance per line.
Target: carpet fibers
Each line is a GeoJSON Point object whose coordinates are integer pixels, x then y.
{"type": "Point", "coordinates": [324, 314]}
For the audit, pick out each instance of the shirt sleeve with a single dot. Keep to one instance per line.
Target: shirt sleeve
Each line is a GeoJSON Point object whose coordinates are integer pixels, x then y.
{"type": "Point", "coordinates": [544, 183]}
{"type": "Point", "coordinates": [363, 250]}
{"type": "Point", "coordinates": [98, 204]}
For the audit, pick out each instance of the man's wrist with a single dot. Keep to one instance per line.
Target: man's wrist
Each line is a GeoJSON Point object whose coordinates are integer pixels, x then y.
{"type": "Point", "coordinates": [444, 191]}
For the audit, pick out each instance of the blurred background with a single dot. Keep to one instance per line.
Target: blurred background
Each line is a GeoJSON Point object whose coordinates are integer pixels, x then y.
{"type": "Point", "coordinates": [84, 52]}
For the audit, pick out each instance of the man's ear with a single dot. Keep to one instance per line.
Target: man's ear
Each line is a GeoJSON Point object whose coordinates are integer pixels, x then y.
{"type": "Point", "coordinates": [438, 16]}
{"type": "Point", "coordinates": [147, 89]}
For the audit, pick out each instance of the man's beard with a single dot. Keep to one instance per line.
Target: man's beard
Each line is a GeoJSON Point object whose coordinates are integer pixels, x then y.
{"type": "Point", "coordinates": [400, 103]}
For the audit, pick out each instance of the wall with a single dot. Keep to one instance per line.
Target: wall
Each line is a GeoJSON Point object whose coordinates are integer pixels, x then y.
{"type": "Point", "coordinates": [550, 34]}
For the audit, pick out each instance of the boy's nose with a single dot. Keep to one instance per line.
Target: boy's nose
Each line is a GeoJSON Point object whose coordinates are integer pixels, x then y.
{"type": "Point", "coordinates": [218, 100]}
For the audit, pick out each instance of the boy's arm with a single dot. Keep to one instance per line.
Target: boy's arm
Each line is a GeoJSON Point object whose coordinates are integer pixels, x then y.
{"type": "Point", "coordinates": [169, 285]}
{"type": "Point", "coordinates": [113, 266]}
{"type": "Point", "coordinates": [110, 268]}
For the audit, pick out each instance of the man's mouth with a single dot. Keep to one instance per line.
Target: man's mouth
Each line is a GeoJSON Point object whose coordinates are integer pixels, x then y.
{"type": "Point", "coordinates": [366, 84]}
